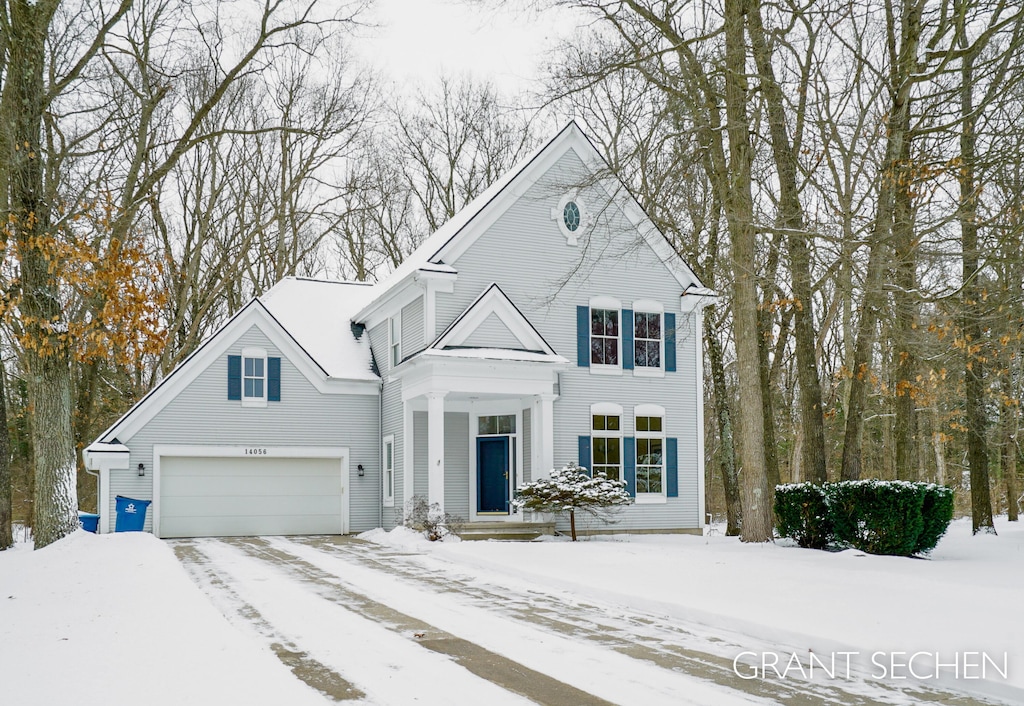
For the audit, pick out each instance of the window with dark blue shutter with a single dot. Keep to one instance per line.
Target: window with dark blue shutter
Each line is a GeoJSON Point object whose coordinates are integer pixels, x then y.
{"type": "Point", "coordinates": [629, 453]}
{"type": "Point", "coordinates": [273, 379]}
{"type": "Point", "coordinates": [584, 453]}
{"type": "Point", "coordinates": [583, 337]}
{"type": "Point", "coordinates": [672, 467]}
{"type": "Point", "coordinates": [670, 342]}
{"type": "Point", "coordinates": [234, 377]}
{"type": "Point", "coordinates": [628, 352]}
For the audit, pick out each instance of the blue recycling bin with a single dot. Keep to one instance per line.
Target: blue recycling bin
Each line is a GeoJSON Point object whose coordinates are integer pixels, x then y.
{"type": "Point", "coordinates": [131, 514]}
{"type": "Point", "coordinates": [89, 521]}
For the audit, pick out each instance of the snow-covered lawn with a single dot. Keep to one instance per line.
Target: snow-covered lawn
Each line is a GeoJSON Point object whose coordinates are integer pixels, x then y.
{"type": "Point", "coordinates": [115, 619]}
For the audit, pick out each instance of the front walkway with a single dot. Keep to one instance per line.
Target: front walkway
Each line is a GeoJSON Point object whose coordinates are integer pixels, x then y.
{"type": "Point", "coordinates": [507, 643]}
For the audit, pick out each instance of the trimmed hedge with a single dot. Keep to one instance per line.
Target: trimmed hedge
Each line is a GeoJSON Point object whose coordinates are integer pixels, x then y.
{"type": "Point", "coordinates": [937, 513]}
{"type": "Point", "coordinates": [880, 517]}
{"type": "Point", "coordinates": [801, 512]}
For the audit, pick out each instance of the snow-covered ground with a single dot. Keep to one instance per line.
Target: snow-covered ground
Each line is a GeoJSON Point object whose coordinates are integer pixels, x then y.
{"type": "Point", "coordinates": [116, 619]}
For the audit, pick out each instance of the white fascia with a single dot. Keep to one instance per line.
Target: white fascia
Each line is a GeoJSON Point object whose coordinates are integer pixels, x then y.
{"type": "Point", "coordinates": [425, 281]}
{"type": "Point", "coordinates": [570, 138]}
{"type": "Point", "coordinates": [697, 298]}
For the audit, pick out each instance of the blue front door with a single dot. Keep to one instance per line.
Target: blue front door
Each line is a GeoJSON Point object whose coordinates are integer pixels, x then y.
{"type": "Point", "coordinates": [492, 474]}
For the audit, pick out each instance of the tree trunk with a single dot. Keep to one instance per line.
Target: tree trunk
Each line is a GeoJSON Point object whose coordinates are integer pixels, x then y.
{"type": "Point", "coordinates": [905, 299]}
{"type": "Point", "coordinates": [6, 516]}
{"type": "Point", "coordinates": [791, 219]}
{"type": "Point", "coordinates": [46, 353]}
{"type": "Point", "coordinates": [757, 494]}
{"type": "Point", "coordinates": [974, 372]}
{"type": "Point", "coordinates": [727, 451]}
{"type": "Point", "coordinates": [902, 71]}
{"type": "Point", "coordinates": [1009, 460]}
{"type": "Point", "coordinates": [572, 523]}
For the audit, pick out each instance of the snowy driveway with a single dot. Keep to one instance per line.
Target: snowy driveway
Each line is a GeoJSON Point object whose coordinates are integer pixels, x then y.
{"type": "Point", "coordinates": [364, 623]}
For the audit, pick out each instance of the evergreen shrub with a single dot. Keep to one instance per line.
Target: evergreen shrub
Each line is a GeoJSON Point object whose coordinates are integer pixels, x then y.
{"type": "Point", "coordinates": [897, 518]}
{"type": "Point", "coordinates": [936, 514]}
{"type": "Point", "coordinates": [801, 513]}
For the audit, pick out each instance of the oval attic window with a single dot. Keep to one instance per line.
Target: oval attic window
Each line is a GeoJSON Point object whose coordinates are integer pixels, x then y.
{"type": "Point", "coordinates": [571, 216]}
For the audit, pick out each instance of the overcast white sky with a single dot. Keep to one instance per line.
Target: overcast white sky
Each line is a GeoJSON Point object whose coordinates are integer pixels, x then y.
{"type": "Point", "coordinates": [419, 39]}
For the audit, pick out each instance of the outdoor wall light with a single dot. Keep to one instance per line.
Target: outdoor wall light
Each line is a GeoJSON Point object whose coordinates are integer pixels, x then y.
{"type": "Point", "coordinates": [142, 469]}
{"type": "Point", "coordinates": [359, 468]}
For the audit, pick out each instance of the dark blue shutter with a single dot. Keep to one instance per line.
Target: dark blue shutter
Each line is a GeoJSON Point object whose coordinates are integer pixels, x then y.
{"type": "Point", "coordinates": [584, 455]}
{"type": "Point", "coordinates": [672, 467]}
{"type": "Point", "coordinates": [670, 342]}
{"type": "Point", "coordinates": [628, 352]}
{"type": "Point", "coordinates": [234, 377]}
{"type": "Point", "coordinates": [583, 337]}
{"type": "Point", "coordinates": [629, 450]}
{"type": "Point", "coordinates": [273, 379]}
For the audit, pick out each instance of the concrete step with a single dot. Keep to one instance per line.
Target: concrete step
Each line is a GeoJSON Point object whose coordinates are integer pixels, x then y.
{"type": "Point", "coordinates": [523, 531]}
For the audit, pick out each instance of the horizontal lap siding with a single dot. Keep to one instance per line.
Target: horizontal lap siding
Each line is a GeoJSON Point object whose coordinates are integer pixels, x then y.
{"type": "Point", "coordinates": [493, 333]}
{"type": "Point", "coordinates": [548, 279]}
{"type": "Point", "coordinates": [391, 411]}
{"type": "Point", "coordinates": [412, 328]}
{"type": "Point", "coordinates": [456, 464]}
{"type": "Point", "coordinates": [202, 415]}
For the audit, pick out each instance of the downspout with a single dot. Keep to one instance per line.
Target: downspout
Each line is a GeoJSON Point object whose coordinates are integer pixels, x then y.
{"type": "Point", "coordinates": [380, 454]}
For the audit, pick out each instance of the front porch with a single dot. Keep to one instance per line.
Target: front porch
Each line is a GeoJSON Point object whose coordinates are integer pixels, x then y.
{"type": "Point", "coordinates": [523, 531]}
{"type": "Point", "coordinates": [479, 428]}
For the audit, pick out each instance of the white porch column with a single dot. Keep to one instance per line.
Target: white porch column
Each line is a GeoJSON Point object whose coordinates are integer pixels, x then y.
{"type": "Point", "coordinates": [545, 436]}
{"type": "Point", "coordinates": [435, 449]}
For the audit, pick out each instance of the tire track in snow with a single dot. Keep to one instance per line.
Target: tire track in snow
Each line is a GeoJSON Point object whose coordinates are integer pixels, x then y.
{"type": "Point", "coordinates": [317, 675]}
{"type": "Point", "coordinates": [664, 643]}
{"type": "Point", "coordinates": [493, 668]}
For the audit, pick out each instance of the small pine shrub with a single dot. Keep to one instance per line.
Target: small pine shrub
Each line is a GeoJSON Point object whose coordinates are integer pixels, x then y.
{"type": "Point", "coordinates": [936, 514]}
{"type": "Point", "coordinates": [802, 513]}
{"type": "Point", "coordinates": [878, 517]}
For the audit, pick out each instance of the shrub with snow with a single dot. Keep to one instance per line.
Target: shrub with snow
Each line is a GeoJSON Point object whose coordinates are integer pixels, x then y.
{"type": "Point", "coordinates": [898, 518]}
{"type": "Point", "coordinates": [569, 489]}
{"type": "Point", "coordinates": [429, 519]}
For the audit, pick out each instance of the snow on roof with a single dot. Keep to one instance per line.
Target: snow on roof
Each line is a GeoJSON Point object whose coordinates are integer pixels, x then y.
{"type": "Point", "coordinates": [318, 314]}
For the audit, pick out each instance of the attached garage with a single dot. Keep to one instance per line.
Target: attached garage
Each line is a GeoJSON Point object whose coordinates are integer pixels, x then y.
{"type": "Point", "coordinates": [242, 491]}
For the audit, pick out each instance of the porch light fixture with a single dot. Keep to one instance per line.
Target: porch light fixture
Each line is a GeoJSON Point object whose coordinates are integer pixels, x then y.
{"type": "Point", "coordinates": [361, 470]}
{"type": "Point", "coordinates": [142, 469]}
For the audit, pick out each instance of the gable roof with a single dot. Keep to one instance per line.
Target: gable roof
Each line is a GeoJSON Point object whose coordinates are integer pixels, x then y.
{"type": "Point", "coordinates": [257, 314]}
{"type": "Point", "coordinates": [492, 302]}
{"type": "Point", "coordinates": [317, 314]}
{"type": "Point", "coordinates": [449, 241]}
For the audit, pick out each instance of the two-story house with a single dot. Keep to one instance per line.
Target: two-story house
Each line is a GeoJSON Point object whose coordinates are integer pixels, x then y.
{"type": "Point", "coordinates": [549, 321]}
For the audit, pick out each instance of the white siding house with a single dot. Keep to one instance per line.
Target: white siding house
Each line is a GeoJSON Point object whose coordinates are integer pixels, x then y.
{"type": "Point", "coordinates": [549, 321]}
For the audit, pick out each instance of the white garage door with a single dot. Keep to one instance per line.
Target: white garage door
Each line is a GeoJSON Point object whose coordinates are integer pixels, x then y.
{"type": "Point", "coordinates": [236, 497]}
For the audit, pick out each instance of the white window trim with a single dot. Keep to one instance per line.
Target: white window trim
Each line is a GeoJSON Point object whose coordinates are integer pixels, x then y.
{"type": "Point", "coordinates": [607, 303]}
{"type": "Point", "coordinates": [606, 409]}
{"type": "Point", "coordinates": [394, 340]}
{"type": "Point", "coordinates": [652, 410]}
{"type": "Point", "coordinates": [571, 236]}
{"type": "Point", "coordinates": [255, 401]}
{"type": "Point", "coordinates": [648, 306]}
{"type": "Point", "coordinates": [388, 490]}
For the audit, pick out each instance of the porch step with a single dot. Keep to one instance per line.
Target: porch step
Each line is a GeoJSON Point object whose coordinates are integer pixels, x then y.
{"type": "Point", "coordinates": [522, 531]}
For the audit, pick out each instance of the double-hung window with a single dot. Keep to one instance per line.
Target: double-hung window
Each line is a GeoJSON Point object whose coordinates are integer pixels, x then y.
{"type": "Point", "coordinates": [649, 421]}
{"type": "Point", "coordinates": [606, 440]}
{"type": "Point", "coordinates": [389, 471]}
{"type": "Point", "coordinates": [395, 340]}
{"type": "Point", "coordinates": [648, 337]}
{"type": "Point", "coordinates": [254, 377]}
